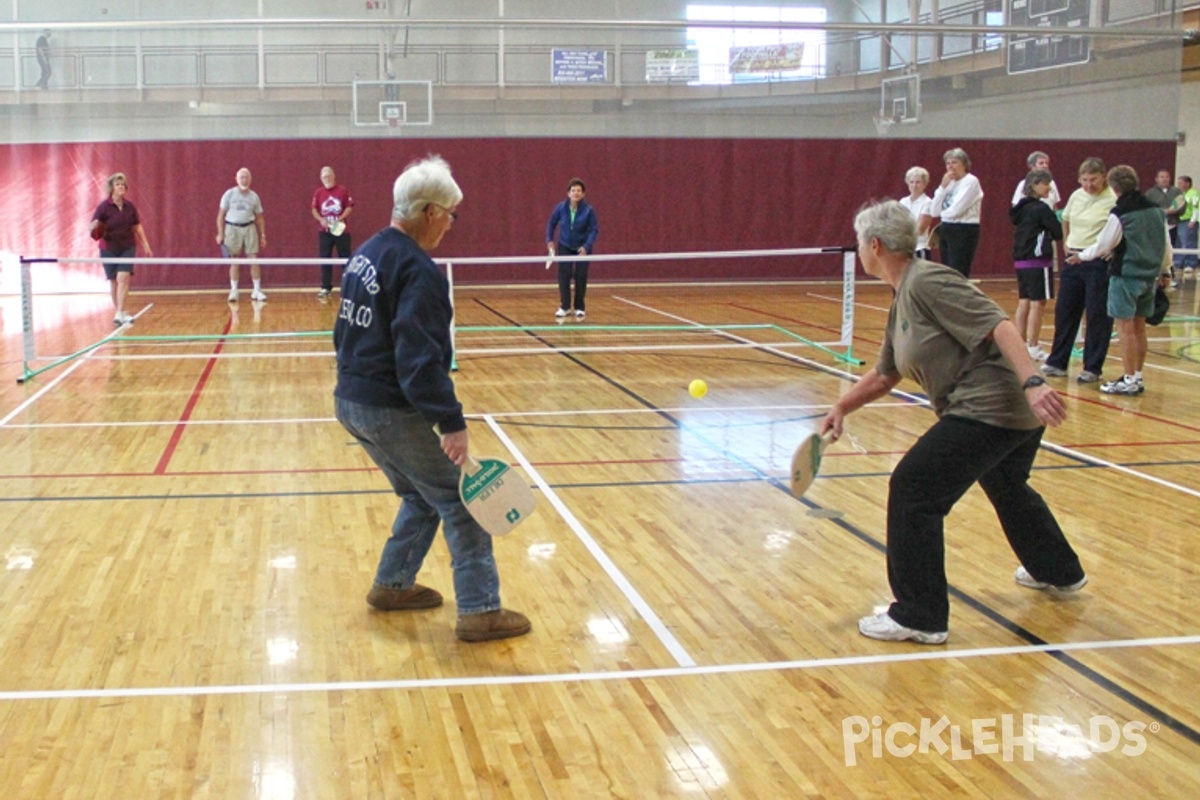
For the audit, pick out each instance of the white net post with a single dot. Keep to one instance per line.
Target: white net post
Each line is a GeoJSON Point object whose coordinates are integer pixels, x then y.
{"type": "Point", "coordinates": [847, 340]}
{"type": "Point", "coordinates": [453, 339]}
{"type": "Point", "coordinates": [29, 346]}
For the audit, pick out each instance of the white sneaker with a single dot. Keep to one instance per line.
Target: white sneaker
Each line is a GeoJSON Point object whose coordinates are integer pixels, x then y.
{"type": "Point", "coordinates": [258, 296]}
{"type": "Point", "coordinates": [1037, 353]}
{"type": "Point", "coordinates": [1023, 577]}
{"type": "Point", "coordinates": [580, 315]}
{"type": "Point", "coordinates": [233, 295]}
{"type": "Point", "coordinates": [323, 296]}
{"type": "Point", "coordinates": [883, 627]}
{"type": "Point", "coordinates": [560, 313]}
{"type": "Point", "coordinates": [122, 319]}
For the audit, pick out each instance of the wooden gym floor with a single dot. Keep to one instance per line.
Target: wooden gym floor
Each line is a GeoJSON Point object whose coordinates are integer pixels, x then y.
{"type": "Point", "coordinates": [188, 538]}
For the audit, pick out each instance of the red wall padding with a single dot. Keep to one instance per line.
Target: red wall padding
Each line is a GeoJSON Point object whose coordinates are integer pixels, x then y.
{"type": "Point", "coordinates": [650, 194]}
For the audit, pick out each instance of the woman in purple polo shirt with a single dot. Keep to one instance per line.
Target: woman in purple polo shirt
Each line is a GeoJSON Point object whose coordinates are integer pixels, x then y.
{"type": "Point", "coordinates": [115, 225]}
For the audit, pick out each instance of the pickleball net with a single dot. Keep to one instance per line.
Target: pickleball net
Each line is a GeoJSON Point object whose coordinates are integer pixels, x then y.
{"type": "Point", "coordinates": [90, 315]}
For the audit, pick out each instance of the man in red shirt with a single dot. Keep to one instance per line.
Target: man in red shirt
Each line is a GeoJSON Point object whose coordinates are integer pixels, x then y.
{"type": "Point", "coordinates": [331, 206]}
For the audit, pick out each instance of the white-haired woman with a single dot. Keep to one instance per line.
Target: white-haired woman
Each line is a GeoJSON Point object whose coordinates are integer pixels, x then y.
{"type": "Point", "coordinates": [991, 406]}
{"type": "Point", "coordinates": [917, 203]}
{"type": "Point", "coordinates": [117, 226]}
{"type": "Point", "coordinates": [392, 339]}
{"type": "Point", "coordinates": [957, 202]}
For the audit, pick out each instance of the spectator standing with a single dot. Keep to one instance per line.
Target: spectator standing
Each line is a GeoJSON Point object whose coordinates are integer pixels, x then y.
{"type": "Point", "coordinates": [918, 203]}
{"type": "Point", "coordinates": [1138, 251]}
{"type": "Point", "coordinates": [42, 50]}
{"type": "Point", "coordinates": [1083, 285]}
{"type": "Point", "coordinates": [1187, 229]}
{"type": "Point", "coordinates": [1037, 229]}
{"type": "Point", "coordinates": [958, 202]}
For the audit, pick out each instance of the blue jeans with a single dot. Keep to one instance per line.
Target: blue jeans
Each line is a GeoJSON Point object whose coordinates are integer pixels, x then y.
{"type": "Point", "coordinates": [1187, 240]}
{"type": "Point", "coordinates": [409, 452]}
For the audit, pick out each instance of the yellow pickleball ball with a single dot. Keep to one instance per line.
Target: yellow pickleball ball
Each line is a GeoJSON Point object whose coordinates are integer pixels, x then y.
{"type": "Point", "coordinates": [697, 388]}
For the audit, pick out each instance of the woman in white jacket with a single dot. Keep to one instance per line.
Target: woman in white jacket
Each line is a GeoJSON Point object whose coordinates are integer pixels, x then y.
{"type": "Point", "coordinates": [958, 201]}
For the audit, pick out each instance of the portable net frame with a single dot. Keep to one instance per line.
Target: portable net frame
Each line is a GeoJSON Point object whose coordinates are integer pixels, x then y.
{"type": "Point", "coordinates": [725, 335]}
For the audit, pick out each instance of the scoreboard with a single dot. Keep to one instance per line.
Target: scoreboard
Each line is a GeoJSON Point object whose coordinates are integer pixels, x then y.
{"type": "Point", "coordinates": [1057, 47]}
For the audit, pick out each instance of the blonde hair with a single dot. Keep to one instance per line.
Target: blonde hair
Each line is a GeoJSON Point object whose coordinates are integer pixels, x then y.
{"type": "Point", "coordinates": [112, 181]}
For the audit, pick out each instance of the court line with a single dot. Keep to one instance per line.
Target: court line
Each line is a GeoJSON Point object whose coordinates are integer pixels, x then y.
{"type": "Point", "coordinates": [591, 677]}
{"type": "Point", "coordinates": [182, 423]}
{"type": "Point", "coordinates": [479, 416]}
{"type": "Point", "coordinates": [38, 394]}
{"type": "Point", "coordinates": [668, 640]}
{"type": "Point", "coordinates": [1099, 462]}
{"type": "Point", "coordinates": [921, 400]}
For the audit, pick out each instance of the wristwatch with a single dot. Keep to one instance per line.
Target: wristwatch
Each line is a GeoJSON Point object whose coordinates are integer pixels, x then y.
{"type": "Point", "coordinates": [1032, 381]}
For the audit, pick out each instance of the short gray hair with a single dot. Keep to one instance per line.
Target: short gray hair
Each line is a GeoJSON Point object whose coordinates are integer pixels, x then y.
{"type": "Point", "coordinates": [1034, 157]}
{"type": "Point", "coordinates": [960, 154]}
{"type": "Point", "coordinates": [422, 183]}
{"type": "Point", "coordinates": [889, 222]}
{"type": "Point", "coordinates": [916, 172]}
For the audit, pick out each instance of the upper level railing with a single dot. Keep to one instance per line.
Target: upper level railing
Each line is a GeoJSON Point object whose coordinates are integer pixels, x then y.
{"type": "Point", "coordinates": [341, 57]}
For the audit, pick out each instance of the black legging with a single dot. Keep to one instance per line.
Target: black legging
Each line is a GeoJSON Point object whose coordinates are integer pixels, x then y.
{"type": "Point", "coordinates": [958, 243]}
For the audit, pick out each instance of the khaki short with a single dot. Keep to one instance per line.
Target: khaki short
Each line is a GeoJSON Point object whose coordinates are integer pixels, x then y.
{"type": "Point", "coordinates": [240, 240]}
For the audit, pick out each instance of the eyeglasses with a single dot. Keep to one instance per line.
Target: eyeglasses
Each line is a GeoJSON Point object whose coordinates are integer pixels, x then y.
{"type": "Point", "coordinates": [453, 214]}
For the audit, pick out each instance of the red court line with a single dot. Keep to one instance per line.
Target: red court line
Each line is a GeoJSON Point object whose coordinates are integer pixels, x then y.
{"type": "Point", "coordinates": [191, 404]}
{"type": "Point", "coordinates": [1099, 401]}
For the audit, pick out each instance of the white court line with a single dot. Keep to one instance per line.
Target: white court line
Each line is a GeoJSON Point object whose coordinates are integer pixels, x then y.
{"type": "Point", "coordinates": [591, 677]}
{"type": "Point", "coordinates": [1110, 465]}
{"type": "Point", "coordinates": [867, 306]}
{"type": "Point", "coordinates": [495, 415]}
{"type": "Point", "coordinates": [30, 401]}
{"type": "Point", "coordinates": [1065, 451]}
{"type": "Point", "coordinates": [631, 594]}
{"type": "Point", "coordinates": [1172, 369]}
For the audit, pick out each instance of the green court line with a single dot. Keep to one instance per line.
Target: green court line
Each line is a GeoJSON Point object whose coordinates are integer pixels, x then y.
{"type": "Point", "coordinates": [205, 337]}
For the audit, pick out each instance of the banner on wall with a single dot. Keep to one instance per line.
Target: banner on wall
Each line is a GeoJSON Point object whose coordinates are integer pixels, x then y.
{"type": "Point", "coordinates": [765, 58]}
{"type": "Point", "coordinates": [579, 66]}
{"type": "Point", "coordinates": [672, 66]}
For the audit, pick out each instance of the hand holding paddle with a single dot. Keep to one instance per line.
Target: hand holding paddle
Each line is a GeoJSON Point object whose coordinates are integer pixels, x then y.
{"type": "Point", "coordinates": [496, 497]}
{"type": "Point", "coordinates": [806, 461]}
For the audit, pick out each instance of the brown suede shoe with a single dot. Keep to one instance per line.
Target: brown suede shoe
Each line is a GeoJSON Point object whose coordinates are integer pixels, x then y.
{"type": "Point", "coordinates": [499, 624]}
{"type": "Point", "coordinates": [414, 597]}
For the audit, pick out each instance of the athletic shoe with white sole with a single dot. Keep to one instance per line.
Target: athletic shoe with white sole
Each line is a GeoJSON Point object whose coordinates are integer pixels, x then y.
{"type": "Point", "coordinates": [323, 296]}
{"type": "Point", "coordinates": [1123, 385]}
{"type": "Point", "coordinates": [258, 296]}
{"type": "Point", "coordinates": [1087, 377]}
{"type": "Point", "coordinates": [560, 313]}
{"type": "Point", "coordinates": [233, 295]}
{"type": "Point", "coordinates": [580, 314]}
{"type": "Point", "coordinates": [1023, 577]}
{"type": "Point", "coordinates": [1053, 372]}
{"type": "Point", "coordinates": [883, 627]}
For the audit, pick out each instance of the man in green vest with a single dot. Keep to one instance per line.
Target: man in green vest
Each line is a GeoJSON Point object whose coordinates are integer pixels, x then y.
{"type": "Point", "coordinates": [1187, 229]}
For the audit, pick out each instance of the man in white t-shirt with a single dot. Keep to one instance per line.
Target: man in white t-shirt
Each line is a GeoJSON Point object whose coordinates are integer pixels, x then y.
{"type": "Point", "coordinates": [242, 230]}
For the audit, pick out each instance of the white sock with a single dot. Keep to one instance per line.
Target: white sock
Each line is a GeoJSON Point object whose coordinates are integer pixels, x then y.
{"type": "Point", "coordinates": [233, 284]}
{"type": "Point", "coordinates": [1137, 376]}
{"type": "Point", "coordinates": [257, 284]}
